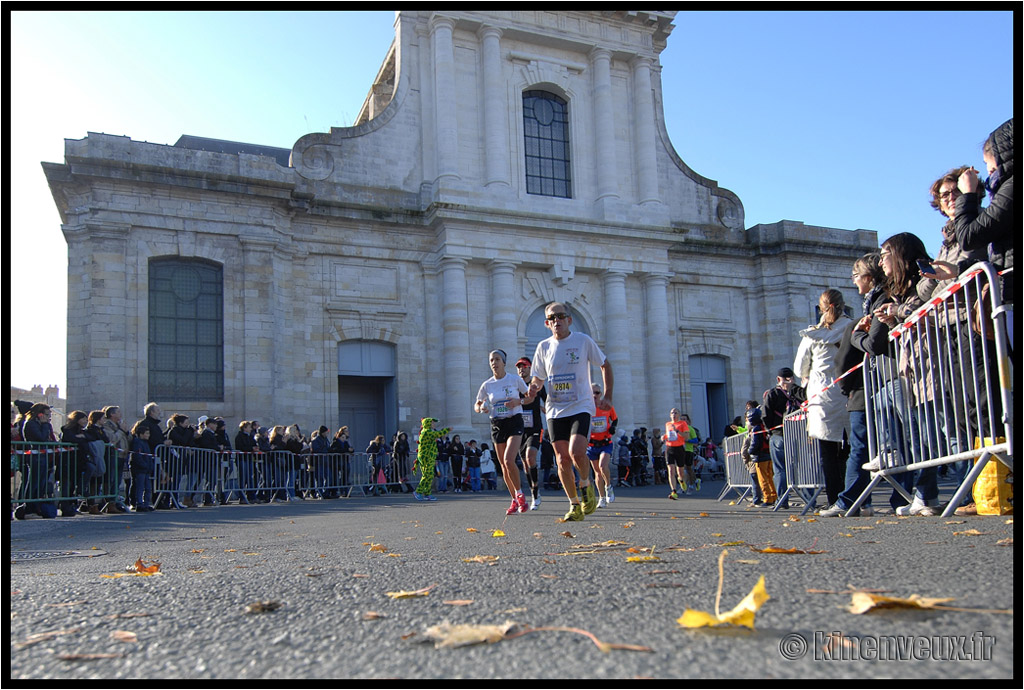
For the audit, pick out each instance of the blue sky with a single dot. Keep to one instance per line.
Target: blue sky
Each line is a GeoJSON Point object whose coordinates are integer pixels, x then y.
{"type": "Point", "coordinates": [840, 119]}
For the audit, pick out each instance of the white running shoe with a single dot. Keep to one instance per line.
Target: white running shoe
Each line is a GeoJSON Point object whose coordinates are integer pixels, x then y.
{"type": "Point", "coordinates": [873, 466]}
{"type": "Point", "coordinates": [535, 503]}
{"type": "Point", "coordinates": [600, 501]}
{"type": "Point", "coordinates": [919, 507]}
{"type": "Point", "coordinates": [832, 511]}
{"type": "Point", "coordinates": [610, 498]}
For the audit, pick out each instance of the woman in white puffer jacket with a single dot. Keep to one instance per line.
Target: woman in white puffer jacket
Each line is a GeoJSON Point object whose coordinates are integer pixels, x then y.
{"type": "Point", "coordinates": [827, 418]}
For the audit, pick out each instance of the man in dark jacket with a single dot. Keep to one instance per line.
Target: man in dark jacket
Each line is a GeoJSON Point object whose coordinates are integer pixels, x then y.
{"type": "Point", "coordinates": [778, 402]}
{"type": "Point", "coordinates": [153, 416]}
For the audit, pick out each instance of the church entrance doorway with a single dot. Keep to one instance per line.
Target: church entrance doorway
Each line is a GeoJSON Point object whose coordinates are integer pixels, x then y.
{"type": "Point", "coordinates": [367, 399]}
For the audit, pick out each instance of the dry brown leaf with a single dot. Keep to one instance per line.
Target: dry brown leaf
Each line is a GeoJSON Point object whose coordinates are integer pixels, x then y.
{"type": "Point", "coordinates": [968, 533]}
{"type": "Point", "coordinates": [141, 568]}
{"type": "Point", "coordinates": [546, 576]}
{"type": "Point", "coordinates": [863, 602]}
{"type": "Point", "coordinates": [88, 657]}
{"type": "Point", "coordinates": [775, 549]}
{"type": "Point", "coordinates": [128, 615]}
{"type": "Point", "coordinates": [124, 636]}
{"type": "Point", "coordinates": [263, 606]}
{"type": "Point", "coordinates": [44, 636]}
{"type": "Point", "coordinates": [379, 548]}
{"type": "Point", "coordinates": [472, 529]}
{"type": "Point", "coordinates": [404, 594]}
{"type": "Point", "coordinates": [487, 560]}
{"type": "Point", "coordinates": [568, 535]}
{"type": "Point", "coordinates": [458, 602]}
{"type": "Point", "coordinates": [703, 515]}
{"type": "Point", "coordinates": [67, 603]}
{"type": "Point", "coordinates": [461, 635]}
{"type": "Point", "coordinates": [1005, 542]}
{"type": "Point", "coordinates": [373, 615]}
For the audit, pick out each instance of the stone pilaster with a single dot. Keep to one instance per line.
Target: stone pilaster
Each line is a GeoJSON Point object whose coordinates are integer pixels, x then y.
{"type": "Point", "coordinates": [495, 110]}
{"type": "Point", "coordinates": [604, 124]}
{"type": "Point", "coordinates": [644, 133]}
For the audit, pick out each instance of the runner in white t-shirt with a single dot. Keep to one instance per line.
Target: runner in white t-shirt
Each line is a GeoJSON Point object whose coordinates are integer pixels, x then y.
{"type": "Point", "coordinates": [562, 363]}
{"type": "Point", "coordinates": [499, 396]}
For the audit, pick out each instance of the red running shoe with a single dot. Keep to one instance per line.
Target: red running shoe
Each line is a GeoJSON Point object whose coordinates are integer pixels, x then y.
{"type": "Point", "coordinates": [521, 500]}
{"type": "Point", "coordinates": [513, 509]}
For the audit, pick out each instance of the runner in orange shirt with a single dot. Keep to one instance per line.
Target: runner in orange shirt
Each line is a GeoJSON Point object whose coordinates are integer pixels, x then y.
{"type": "Point", "coordinates": [677, 432]}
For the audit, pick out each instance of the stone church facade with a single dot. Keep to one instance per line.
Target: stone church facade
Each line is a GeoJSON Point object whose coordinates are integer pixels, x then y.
{"type": "Point", "coordinates": [501, 160]}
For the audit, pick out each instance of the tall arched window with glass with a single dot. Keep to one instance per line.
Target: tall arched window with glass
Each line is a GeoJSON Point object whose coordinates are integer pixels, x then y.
{"type": "Point", "coordinates": [186, 330]}
{"type": "Point", "coordinates": [546, 135]}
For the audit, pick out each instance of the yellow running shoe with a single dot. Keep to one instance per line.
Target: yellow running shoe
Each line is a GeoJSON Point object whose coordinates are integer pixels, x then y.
{"type": "Point", "coordinates": [589, 499]}
{"type": "Point", "coordinates": [575, 513]}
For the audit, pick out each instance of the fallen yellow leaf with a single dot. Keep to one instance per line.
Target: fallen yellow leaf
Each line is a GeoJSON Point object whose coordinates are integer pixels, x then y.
{"type": "Point", "coordinates": [409, 594]}
{"type": "Point", "coordinates": [775, 549]}
{"type": "Point", "coordinates": [742, 614]}
{"type": "Point", "coordinates": [497, 533]}
{"type": "Point", "coordinates": [481, 559]}
{"type": "Point", "coordinates": [472, 529]}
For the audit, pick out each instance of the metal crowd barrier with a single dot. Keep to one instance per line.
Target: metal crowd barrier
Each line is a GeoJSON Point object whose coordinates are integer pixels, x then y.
{"type": "Point", "coordinates": [198, 475]}
{"type": "Point", "coordinates": [736, 476]}
{"type": "Point", "coordinates": [943, 393]}
{"type": "Point", "coordinates": [804, 473]}
{"type": "Point", "coordinates": [55, 472]}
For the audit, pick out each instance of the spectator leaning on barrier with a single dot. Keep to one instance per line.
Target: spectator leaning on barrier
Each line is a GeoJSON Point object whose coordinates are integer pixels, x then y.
{"type": "Point", "coordinates": [868, 277]}
{"type": "Point", "coordinates": [36, 428]}
{"type": "Point", "coordinates": [785, 398]}
{"type": "Point", "coordinates": [899, 258]}
{"type": "Point", "coordinates": [118, 437]}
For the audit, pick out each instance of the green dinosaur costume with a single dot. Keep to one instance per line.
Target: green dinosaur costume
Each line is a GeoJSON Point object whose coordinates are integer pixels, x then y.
{"type": "Point", "coordinates": [426, 454]}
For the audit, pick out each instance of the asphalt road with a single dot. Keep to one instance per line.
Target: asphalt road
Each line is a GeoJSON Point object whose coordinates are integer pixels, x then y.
{"type": "Point", "coordinates": [329, 565]}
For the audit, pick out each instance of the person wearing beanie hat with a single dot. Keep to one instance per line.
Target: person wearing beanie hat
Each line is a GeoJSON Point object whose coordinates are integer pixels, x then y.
{"type": "Point", "coordinates": [757, 459]}
{"type": "Point", "coordinates": [779, 401]}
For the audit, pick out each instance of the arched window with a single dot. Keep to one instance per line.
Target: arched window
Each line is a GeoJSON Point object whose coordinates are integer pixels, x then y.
{"type": "Point", "coordinates": [546, 135]}
{"type": "Point", "coordinates": [186, 330]}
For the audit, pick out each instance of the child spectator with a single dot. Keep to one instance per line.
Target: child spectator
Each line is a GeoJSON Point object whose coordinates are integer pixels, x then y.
{"type": "Point", "coordinates": [142, 465]}
{"type": "Point", "coordinates": [757, 459]}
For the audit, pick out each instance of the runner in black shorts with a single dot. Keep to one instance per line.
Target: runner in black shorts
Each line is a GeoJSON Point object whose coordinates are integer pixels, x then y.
{"type": "Point", "coordinates": [501, 397]}
{"type": "Point", "coordinates": [533, 416]}
{"type": "Point", "coordinates": [562, 363]}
